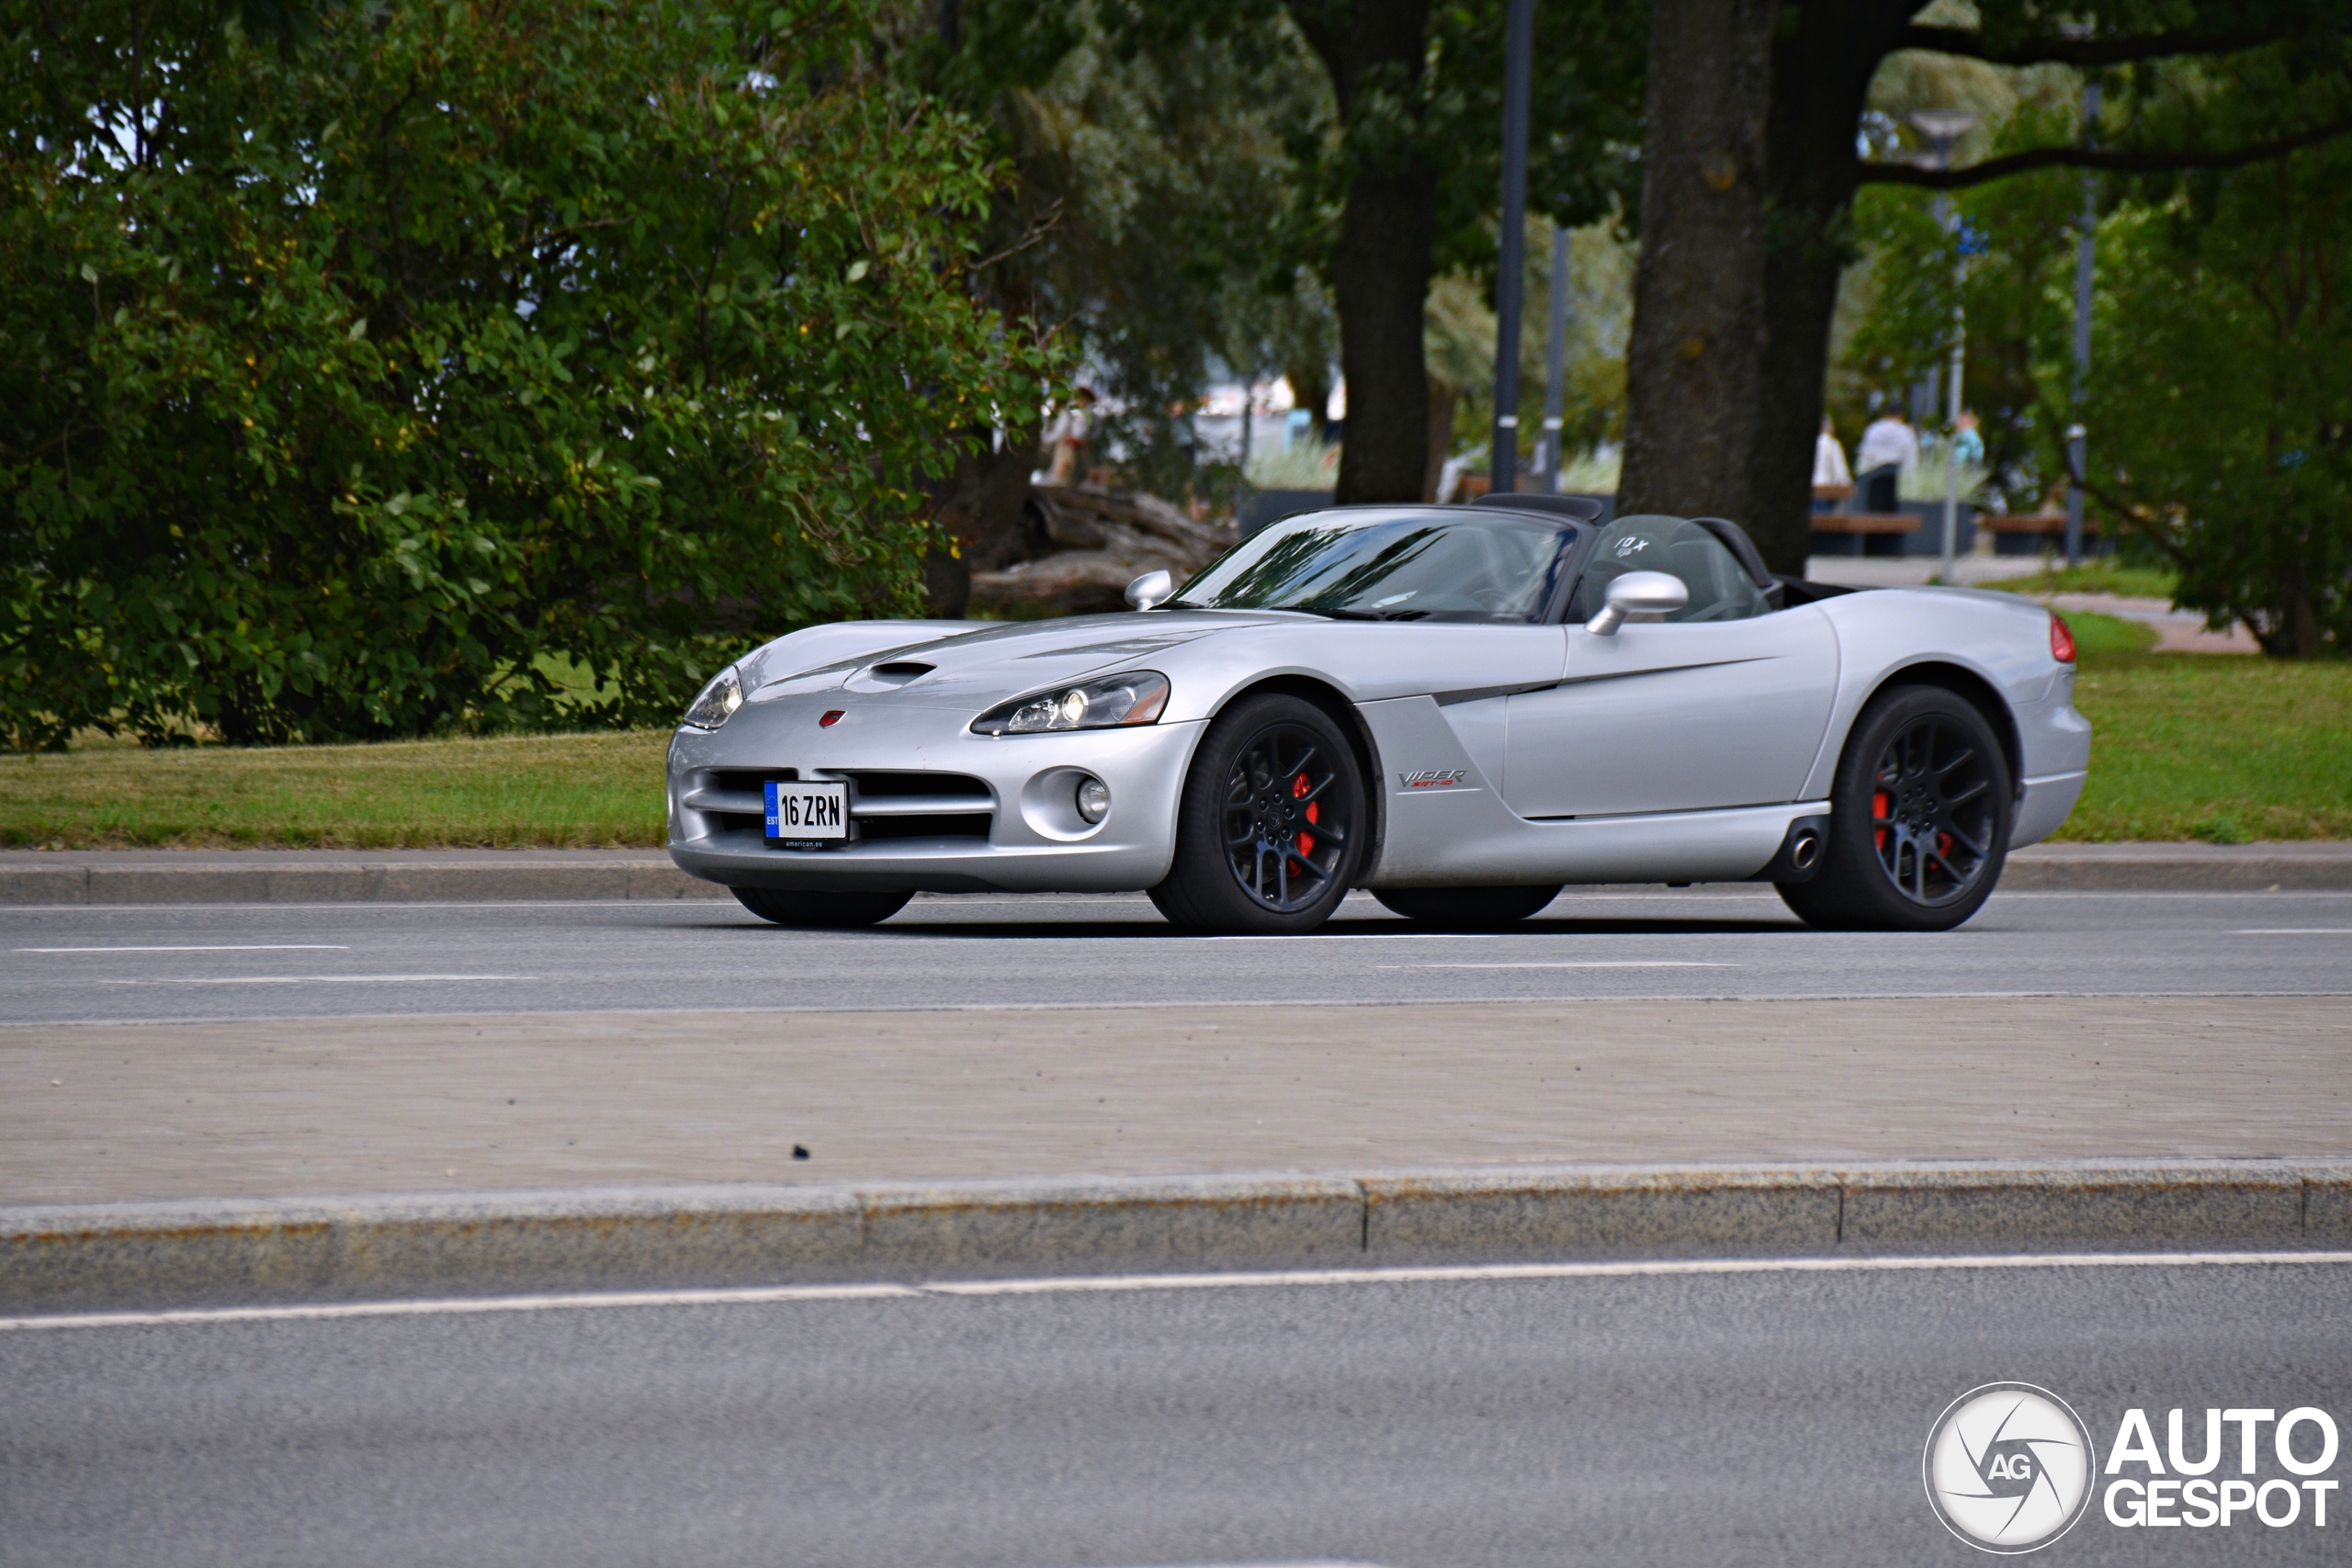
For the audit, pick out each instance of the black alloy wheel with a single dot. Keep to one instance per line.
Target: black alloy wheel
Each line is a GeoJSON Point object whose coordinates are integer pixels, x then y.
{"type": "Point", "coordinates": [820, 911]}
{"type": "Point", "coordinates": [1467, 908]}
{"type": "Point", "coordinates": [1271, 826]}
{"type": "Point", "coordinates": [1921, 813]}
{"type": "Point", "coordinates": [1931, 811]}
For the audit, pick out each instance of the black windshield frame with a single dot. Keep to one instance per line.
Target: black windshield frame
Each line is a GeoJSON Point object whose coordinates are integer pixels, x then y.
{"type": "Point", "coordinates": [1575, 539]}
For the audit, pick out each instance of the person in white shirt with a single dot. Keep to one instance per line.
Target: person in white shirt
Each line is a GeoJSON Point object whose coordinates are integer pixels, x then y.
{"type": "Point", "coordinates": [1889, 439]}
{"type": "Point", "coordinates": [1829, 458]}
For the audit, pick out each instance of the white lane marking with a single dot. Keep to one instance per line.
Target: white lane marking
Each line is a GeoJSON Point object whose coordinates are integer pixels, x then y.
{"type": "Point", "coordinates": [2301, 930]}
{"type": "Point", "coordinates": [210, 947]}
{"type": "Point", "coordinates": [1574, 964]}
{"type": "Point", "coordinates": [306, 979]}
{"type": "Point", "coordinates": [460, 1306]}
{"type": "Point", "coordinates": [754, 1295]}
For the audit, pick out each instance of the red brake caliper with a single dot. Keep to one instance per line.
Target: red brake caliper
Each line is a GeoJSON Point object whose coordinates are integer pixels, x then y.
{"type": "Point", "coordinates": [1878, 815]}
{"type": "Point", "coordinates": [1306, 840]}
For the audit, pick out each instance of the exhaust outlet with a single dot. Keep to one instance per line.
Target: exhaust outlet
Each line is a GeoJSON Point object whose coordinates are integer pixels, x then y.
{"type": "Point", "coordinates": [1802, 849]}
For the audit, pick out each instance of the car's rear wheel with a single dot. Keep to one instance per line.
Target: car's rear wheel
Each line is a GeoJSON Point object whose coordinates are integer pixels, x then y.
{"type": "Point", "coordinates": [1271, 826]}
{"type": "Point", "coordinates": [1920, 817]}
{"type": "Point", "coordinates": [820, 911]}
{"type": "Point", "coordinates": [1466, 908]}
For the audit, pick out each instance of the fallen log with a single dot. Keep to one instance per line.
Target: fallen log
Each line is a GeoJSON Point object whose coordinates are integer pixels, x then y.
{"type": "Point", "coordinates": [1109, 538]}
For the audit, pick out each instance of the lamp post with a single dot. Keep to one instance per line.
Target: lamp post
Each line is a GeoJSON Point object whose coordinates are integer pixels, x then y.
{"type": "Point", "coordinates": [1943, 129]}
{"type": "Point", "coordinates": [1510, 262]}
{"type": "Point", "coordinates": [2075, 434]}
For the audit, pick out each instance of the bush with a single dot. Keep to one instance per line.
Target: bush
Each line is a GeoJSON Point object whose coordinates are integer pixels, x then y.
{"type": "Point", "coordinates": [359, 365]}
{"type": "Point", "coordinates": [2225, 401]}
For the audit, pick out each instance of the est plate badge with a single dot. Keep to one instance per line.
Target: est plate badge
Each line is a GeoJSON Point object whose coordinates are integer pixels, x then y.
{"type": "Point", "coordinates": [808, 811]}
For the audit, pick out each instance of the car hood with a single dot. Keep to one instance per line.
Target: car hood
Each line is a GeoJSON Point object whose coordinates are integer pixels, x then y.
{"type": "Point", "coordinates": [976, 668]}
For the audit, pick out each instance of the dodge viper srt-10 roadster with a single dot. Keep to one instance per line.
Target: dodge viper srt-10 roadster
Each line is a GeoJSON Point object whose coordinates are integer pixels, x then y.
{"type": "Point", "coordinates": [1460, 708]}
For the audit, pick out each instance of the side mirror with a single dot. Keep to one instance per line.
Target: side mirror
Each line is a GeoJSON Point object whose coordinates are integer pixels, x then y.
{"type": "Point", "coordinates": [1636, 596]}
{"type": "Point", "coordinates": [1150, 589]}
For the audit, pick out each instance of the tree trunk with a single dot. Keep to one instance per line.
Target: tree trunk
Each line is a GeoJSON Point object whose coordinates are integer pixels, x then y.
{"type": "Point", "coordinates": [1380, 275]}
{"type": "Point", "coordinates": [1381, 278]}
{"type": "Point", "coordinates": [983, 507]}
{"type": "Point", "coordinates": [1730, 342]}
{"type": "Point", "coordinates": [1443, 395]}
{"type": "Point", "coordinates": [1821, 77]}
{"type": "Point", "coordinates": [1310, 385]}
{"type": "Point", "coordinates": [1695, 366]}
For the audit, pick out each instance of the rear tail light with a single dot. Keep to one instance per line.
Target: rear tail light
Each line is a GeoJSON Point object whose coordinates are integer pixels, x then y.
{"type": "Point", "coordinates": [2061, 638]}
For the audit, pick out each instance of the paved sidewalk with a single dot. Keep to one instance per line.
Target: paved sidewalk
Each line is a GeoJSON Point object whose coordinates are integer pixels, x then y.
{"type": "Point", "coordinates": [2178, 631]}
{"type": "Point", "coordinates": [97, 1114]}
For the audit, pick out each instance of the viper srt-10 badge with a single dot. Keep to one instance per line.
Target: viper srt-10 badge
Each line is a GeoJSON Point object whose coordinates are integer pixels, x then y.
{"type": "Point", "coordinates": [1433, 779]}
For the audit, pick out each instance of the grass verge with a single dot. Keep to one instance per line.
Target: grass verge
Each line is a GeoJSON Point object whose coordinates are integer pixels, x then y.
{"type": "Point", "coordinates": [554, 791]}
{"type": "Point", "coordinates": [2099, 577]}
{"type": "Point", "coordinates": [2229, 750]}
{"type": "Point", "coordinates": [2186, 746]}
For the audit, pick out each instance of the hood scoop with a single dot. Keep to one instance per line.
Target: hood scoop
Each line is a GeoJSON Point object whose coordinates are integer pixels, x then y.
{"type": "Point", "coordinates": [891, 676]}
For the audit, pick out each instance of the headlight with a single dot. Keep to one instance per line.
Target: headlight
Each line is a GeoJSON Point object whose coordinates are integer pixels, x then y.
{"type": "Point", "coordinates": [719, 699]}
{"type": "Point", "coordinates": [1135, 697]}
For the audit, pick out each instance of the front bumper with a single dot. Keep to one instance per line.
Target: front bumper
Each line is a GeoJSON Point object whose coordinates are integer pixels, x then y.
{"type": "Point", "coordinates": [1033, 843]}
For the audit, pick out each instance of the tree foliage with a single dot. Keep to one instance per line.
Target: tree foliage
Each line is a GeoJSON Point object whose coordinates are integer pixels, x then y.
{"type": "Point", "coordinates": [2219, 397]}
{"type": "Point", "coordinates": [361, 362]}
{"type": "Point", "coordinates": [2221, 393]}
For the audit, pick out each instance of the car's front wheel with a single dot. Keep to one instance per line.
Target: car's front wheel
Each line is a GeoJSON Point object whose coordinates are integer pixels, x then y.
{"type": "Point", "coordinates": [1466, 908]}
{"type": "Point", "coordinates": [1920, 817]}
{"type": "Point", "coordinates": [820, 911]}
{"type": "Point", "coordinates": [1271, 827]}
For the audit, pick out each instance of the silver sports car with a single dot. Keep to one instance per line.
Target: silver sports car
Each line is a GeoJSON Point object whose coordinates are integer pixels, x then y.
{"type": "Point", "coordinates": [1461, 708]}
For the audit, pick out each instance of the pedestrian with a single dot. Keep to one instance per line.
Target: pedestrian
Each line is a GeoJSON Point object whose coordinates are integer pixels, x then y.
{"type": "Point", "coordinates": [1889, 439]}
{"type": "Point", "coordinates": [1071, 436]}
{"type": "Point", "coordinates": [1829, 458]}
{"type": "Point", "coordinates": [1966, 444]}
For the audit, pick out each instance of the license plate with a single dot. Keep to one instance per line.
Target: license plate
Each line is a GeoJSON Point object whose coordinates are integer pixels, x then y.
{"type": "Point", "coordinates": [808, 812]}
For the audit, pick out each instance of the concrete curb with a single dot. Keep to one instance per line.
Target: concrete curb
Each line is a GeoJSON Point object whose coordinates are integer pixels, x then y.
{"type": "Point", "coordinates": [332, 876]}
{"type": "Point", "coordinates": [154, 1255]}
{"type": "Point", "coordinates": [313, 877]}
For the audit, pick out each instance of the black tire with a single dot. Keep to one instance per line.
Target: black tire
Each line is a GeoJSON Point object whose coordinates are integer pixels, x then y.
{"type": "Point", "coordinates": [820, 911]}
{"type": "Point", "coordinates": [1466, 908]}
{"type": "Point", "coordinates": [1272, 825]}
{"type": "Point", "coordinates": [1920, 820]}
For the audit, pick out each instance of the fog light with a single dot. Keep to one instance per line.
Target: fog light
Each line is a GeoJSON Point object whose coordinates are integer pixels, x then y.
{"type": "Point", "coordinates": [1093, 800]}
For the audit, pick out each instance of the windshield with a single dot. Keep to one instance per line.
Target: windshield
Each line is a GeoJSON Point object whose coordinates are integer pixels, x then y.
{"type": "Point", "coordinates": [1391, 566]}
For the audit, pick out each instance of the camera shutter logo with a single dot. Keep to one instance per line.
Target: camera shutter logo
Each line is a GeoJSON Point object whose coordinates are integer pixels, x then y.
{"type": "Point", "coordinates": [2010, 1468]}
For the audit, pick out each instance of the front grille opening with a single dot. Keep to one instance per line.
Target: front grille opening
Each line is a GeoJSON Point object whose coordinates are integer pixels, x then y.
{"type": "Point", "coordinates": [741, 821]}
{"type": "Point", "coordinates": [751, 781]}
{"type": "Point", "coordinates": [873, 787]}
{"type": "Point", "coordinates": [955, 825]}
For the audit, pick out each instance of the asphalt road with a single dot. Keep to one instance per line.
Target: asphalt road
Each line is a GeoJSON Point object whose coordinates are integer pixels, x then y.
{"type": "Point", "coordinates": [71, 965]}
{"type": "Point", "coordinates": [1768, 1418]}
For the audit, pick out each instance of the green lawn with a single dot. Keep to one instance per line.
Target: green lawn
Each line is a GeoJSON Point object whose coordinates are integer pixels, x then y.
{"type": "Point", "coordinates": [2095, 635]}
{"type": "Point", "coordinates": [2187, 747]}
{"type": "Point", "coordinates": [562, 791]}
{"type": "Point", "coordinates": [2099, 577]}
{"type": "Point", "coordinates": [2223, 748]}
